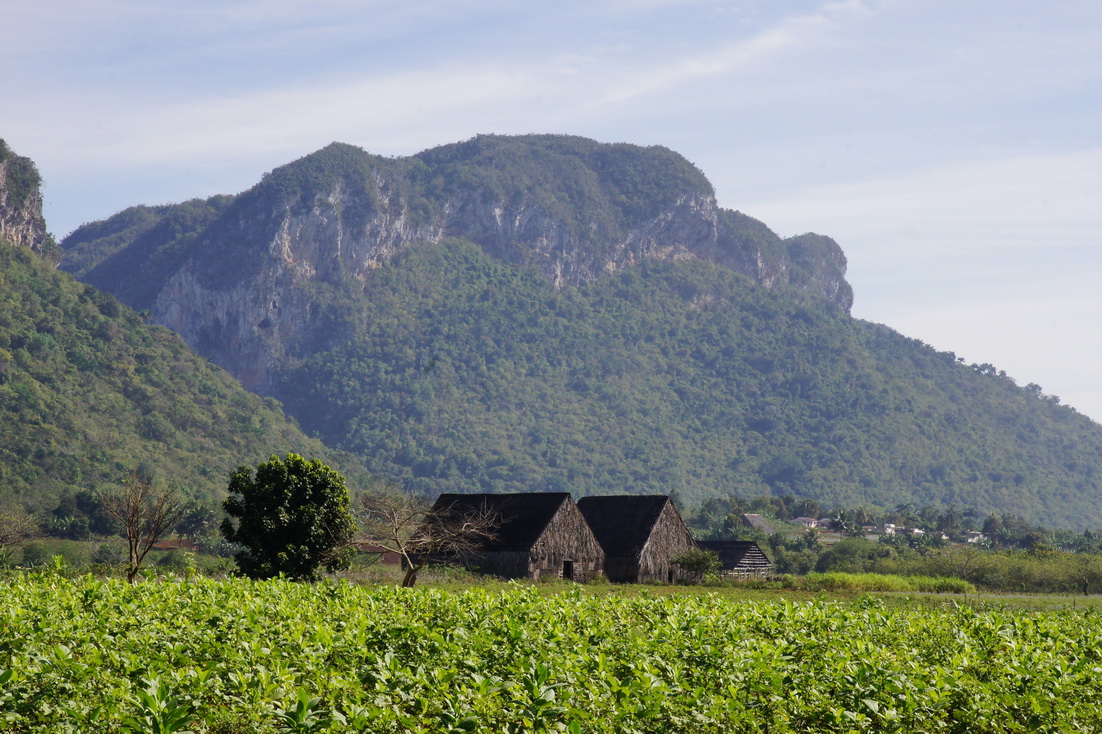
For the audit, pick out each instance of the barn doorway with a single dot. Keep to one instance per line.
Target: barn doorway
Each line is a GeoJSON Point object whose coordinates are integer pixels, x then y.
{"type": "Point", "coordinates": [568, 570]}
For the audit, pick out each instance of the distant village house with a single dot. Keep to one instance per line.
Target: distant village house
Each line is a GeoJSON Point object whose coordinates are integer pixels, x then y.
{"type": "Point", "coordinates": [758, 522]}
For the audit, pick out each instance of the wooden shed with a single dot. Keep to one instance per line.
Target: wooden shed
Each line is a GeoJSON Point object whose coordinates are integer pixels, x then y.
{"type": "Point", "coordinates": [639, 535]}
{"type": "Point", "coordinates": [537, 535]}
{"type": "Point", "coordinates": [739, 558]}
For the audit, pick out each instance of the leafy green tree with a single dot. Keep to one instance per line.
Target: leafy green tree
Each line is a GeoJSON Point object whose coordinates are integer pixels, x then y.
{"type": "Point", "coordinates": [1036, 542]}
{"type": "Point", "coordinates": [795, 553]}
{"type": "Point", "coordinates": [697, 563]}
{"type": "Point", "coordinates": [198, 520]}
{"type": "Point", "coordinates": [968, 563]}
{"type": "Point", "coordinates": [853, 555]}
{"type": "Point", "coordinates": [292, 517]}
{"type": "Point", "coordinates": [81, 515]}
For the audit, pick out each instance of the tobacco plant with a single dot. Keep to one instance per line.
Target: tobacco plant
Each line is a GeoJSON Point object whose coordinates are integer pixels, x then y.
{"type": "Point", "coordinates": [232, 656]}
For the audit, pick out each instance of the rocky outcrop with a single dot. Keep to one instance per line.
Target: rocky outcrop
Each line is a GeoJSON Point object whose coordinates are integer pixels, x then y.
{"type": "Point", "coordinates": [524, 233]}
{"type": "Point", "coordinates": [242, 288]}
{"type": "Point", "coordinates": [817, 264]}
{"type": "Point", "coordinates": [21, 220]}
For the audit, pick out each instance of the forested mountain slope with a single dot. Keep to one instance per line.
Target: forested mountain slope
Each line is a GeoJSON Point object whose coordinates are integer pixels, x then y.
{"type": "Point", "coordinates": [549, 313]}
{"type": "Point", "coordinates": [468, 374]}
{"type": "Point", "coordinates": [90, 393]}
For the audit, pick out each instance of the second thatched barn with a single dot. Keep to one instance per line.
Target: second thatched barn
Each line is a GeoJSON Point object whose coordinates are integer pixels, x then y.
{"type": "Point", "coordinates": [536, 535]}
{"type": "Point", "coordinates": [739, 558]}
{"type": "Point", "coordinates": [639, 534]}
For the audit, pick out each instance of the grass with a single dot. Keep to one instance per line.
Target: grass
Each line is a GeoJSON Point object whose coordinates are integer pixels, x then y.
{"type": "Point", "coordinates": [899, 591]}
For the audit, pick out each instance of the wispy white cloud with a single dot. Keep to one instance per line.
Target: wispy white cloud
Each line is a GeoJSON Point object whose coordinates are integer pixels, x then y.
{"type": "Point", "coordinates": [953, 149]}
{"type": "Point", "coordinates": [282, 119]}
{"type": "Point", "coordinates": [737, 56]}
{"type": "Point", "coordinates": [996, 260]}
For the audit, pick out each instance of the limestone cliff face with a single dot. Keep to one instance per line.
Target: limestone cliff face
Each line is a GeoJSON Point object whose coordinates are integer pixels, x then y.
{"type": "Point", "coordinates": [257, 308]}
{"type": "Point", "coordinates": [21, 221]}
{"type": "Point", "coordinates": [693, 226]}
{"type": "Point", "coordinates": [242, 290]}
{"type": "Point", "coordinates": [524, 232]}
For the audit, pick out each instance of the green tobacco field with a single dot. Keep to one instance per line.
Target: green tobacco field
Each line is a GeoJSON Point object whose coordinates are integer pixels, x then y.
{"type": "Point", "coordinates": [204, 655]}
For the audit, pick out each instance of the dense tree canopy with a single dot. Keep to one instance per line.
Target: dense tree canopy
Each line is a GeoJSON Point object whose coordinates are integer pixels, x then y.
{"type": "Point", "coordinates": [89, 392]}
{"type": "Point", "coordinates": [291, 517]}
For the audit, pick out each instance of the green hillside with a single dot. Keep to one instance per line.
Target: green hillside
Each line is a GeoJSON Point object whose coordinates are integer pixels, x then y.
{"type": "Point", "coordinates": [89, 393]}
{"type": "Point", "coordinates": [465, 374]}
{"type": "Point", "coordinates": [409, 310]}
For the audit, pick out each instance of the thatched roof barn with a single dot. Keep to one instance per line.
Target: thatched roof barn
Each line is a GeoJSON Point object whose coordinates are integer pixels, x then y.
{"type": "Point", "coordinates": [740, 558]}
{"type": "Point", "coordinates": [757, 522]}
{"type": "Point", "coordinates": [639, 535]}
{"type": "Point", "coordinates": [536, 535]}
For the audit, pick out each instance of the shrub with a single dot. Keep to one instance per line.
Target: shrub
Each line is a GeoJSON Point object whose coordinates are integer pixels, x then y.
{"type": "Point", "coordinates": [838, 581]}
{"type": "Point", "coordinates": [109, 554]}
{"type": "Point", "coordinates": [697, 563]}
{"type": "Point", "coordinates": [36, 554]}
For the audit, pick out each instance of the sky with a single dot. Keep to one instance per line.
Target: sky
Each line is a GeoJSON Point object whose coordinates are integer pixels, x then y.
{"type": "Point", "coordinates": [953, 148]}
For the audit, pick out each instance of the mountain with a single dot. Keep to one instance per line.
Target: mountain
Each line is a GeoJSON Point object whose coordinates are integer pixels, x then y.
{"type": "Point", "coordinates": [238, 278]}
{"type": "Point", "coordinates": [89, 392]}
{"type": "Point", "coordinates": [547, 312]}
{"type": "Point", "coordinates": [21, 220]}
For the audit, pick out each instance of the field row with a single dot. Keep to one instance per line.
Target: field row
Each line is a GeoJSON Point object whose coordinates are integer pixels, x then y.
{"type": "Point", "coordinates": [240, 656]}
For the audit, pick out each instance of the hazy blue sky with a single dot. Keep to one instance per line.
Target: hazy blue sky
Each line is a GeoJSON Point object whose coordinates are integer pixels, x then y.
{"type": "Point", "coordinates": [954, 149]}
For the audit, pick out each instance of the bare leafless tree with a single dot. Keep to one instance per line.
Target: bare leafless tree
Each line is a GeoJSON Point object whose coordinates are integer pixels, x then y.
{"type": "Point", "coordinates": [405, 524]}
{"type": "Point", "coordinates": [145, 513]}
{"type": "Point", "coordinates": [16, 527]}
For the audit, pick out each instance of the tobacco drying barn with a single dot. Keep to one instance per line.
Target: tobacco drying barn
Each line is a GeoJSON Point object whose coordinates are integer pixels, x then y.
{"type": "Point", "coordinates": [639, 535]}
{"type": "Point", "coordinates": [739, 558]}
{"type": "Point", "coordinates": [537, 535]}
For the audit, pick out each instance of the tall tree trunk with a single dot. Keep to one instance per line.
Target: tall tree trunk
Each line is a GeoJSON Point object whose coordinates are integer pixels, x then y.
{"type": "Point", "coordinates": [411, 576]}
{"type": "Point", "coordinates": [135, 563]}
